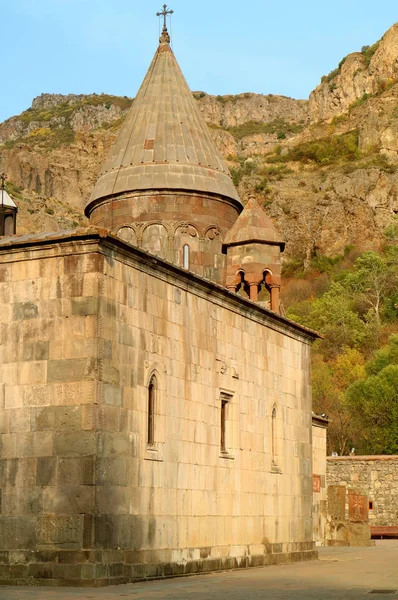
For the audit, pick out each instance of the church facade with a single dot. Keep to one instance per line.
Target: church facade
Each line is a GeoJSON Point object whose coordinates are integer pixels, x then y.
{"type": "Point", "coordinates": [154, 422]}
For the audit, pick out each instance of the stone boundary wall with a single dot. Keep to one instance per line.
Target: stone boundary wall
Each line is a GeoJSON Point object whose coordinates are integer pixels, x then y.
{"type": "Point", "coordinates": [372, 476]}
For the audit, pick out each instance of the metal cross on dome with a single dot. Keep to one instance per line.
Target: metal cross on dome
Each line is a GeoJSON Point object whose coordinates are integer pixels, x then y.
{"type": "Point", "coordinates": [164, 14]}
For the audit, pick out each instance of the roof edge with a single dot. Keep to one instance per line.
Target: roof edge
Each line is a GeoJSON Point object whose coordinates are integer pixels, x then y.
{"type": "Point", "coordinates": [256, 241]}
{"type": "Point", "coordinates": [101, 234]}
{"type": "Point", "coordinates": [92, 204]}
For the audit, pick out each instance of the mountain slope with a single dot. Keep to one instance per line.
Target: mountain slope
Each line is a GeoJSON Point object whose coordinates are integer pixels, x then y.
{"type": "Point", "coordinates": [325, 169]}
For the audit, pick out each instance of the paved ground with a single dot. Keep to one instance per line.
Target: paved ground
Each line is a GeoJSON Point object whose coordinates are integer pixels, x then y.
{"type": "Point", "coordinates": [342, 573]}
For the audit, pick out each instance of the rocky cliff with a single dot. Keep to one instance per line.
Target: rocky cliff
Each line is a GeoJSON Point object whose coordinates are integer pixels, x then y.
{"type": "Point", "coordinates": [358, 75]}
{"type": "Point", "coordinates": [325, 169]}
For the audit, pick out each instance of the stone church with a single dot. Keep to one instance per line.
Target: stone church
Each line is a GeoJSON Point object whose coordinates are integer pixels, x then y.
{"type": "Point", "coordinates": [155, 405]}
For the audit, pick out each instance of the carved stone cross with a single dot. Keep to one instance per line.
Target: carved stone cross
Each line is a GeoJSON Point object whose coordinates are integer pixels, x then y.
{"type": "Point", "coordinates": [164, 14]}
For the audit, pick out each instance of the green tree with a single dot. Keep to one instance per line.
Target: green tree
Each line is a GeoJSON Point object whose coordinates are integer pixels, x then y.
{"type": "Point", "coordinates": [371, 281]}
{"type": "Point", "coordinates": [374, 406]}
{"type": "Point", "coordinates": [333, 316]}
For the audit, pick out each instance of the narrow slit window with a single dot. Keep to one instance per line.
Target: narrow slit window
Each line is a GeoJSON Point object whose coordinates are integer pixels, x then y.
{"type": "Point", "coordinates": [186, 256]}
{"type": "Point", "coordinates": [151, 411]}
{"type": "Point", "coordinates": [274, 448]}
{"type": "Point", "coordinates": [223, 424]}
{"type": "Point", "coordinates": [225, 400]}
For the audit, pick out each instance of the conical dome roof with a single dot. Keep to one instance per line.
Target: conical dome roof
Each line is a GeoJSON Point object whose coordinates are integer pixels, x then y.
{"type": "Point", "coordinates": [164, 142]}
{"type": "Point", "coordinates": [6, 200]}
{"type": "Point", "coordinates": [253, 225]}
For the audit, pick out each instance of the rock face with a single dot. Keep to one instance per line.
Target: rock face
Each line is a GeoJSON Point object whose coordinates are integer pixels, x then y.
{"type": "Point", "coordinates": [366, 72]}
{"type": "Point", "coordinates": [320, 202]}
{"type": "Point", "coordinates": [230, 111]}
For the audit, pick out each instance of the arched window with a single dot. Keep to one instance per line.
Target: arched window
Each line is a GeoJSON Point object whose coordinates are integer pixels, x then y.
{"type": "Point", "coordinates": [186, 256]}
{"type": "Point", "coordinates": [274, 447]}
{"type": "Point", "coordinates": [151, 411]}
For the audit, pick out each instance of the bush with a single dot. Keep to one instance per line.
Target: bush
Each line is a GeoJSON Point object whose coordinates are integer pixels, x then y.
{"type": "Point", "coordinates": [278, 126]}
{"type": "Point", "coordinates": [328, 150]}
{"type": "Point", "coordinates": [359, 101]}
{"type": "Point", "coordinates": [263, 186]}
{"type": "Point", "coordinates": [368, 52]}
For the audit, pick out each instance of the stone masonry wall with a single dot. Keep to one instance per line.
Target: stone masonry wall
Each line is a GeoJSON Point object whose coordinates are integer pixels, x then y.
{"type": "Point", "coordinates": [372, 476]}
{"type": "Point", "coordinates": [163, 222]}
{"type": "Point", "coordinates": [85, 325]}
{"type": "Point", "coordinates": [48, 410]}
{"type": "Point", "coordinates": [183, 501]}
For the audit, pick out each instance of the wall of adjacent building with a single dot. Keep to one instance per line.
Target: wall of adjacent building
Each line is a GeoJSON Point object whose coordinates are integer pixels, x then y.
{"type": "Point", "coordinates": [319, 507]}
{"type": "Point", "coordinates": [84, 327]}
{"type": "Point", "coordinates": [373, 476]}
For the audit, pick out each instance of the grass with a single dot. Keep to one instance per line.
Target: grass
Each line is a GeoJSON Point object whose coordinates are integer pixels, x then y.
{"type": "Point", "coordinates": [280, 127]}
{"type": "Point", "coordinates": [232, 98]}
{"type": "Point", "coordinates": [328, 150]}
{"type": "Point", "coordinates": [372, 159]}
{"type": "Point", "coordinates": [13, 190]}
{"type": "Point", "coordinates": [54, 127]}
{"type": "Point", "coordinates": [329, 78]}
{"type": "Point", "coordinates": [368, 52]}
{"type": "Point", "coordinates": [275, 171]}
{"type": "Point", "coordinates": [359, 102]}
{"type": "Point", "coordinates": [65, 109]}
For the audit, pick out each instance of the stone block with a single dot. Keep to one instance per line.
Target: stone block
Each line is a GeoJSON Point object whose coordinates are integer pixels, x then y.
{"type": "Point", "coordinates": [78, 392]}
{"type": "Point", "coordinates": [114, 444]}
{"type": "Point", "coordinates": [112, 500]}
{"type": "Point", "coordinates": [37, 395]}
{"type": "Point", "coordinates": [58, 417]}
{"type": "Point", "coordinates": [42, 350]}
{"type": "Point", "coordinates": [89, 417]}
{"type": "Point", "coordinates": [25, 310]}
{"type": "Point", "coordinates": [111, 471]}
{"type": "Point", "coordinates": [36, 351]}
{"type": "Point", "coordinates": [18, 532]}
{"type": "Point", "coordinates": [13, 396]}
{"type": "Point", "coordinates": [62, 531]}
{"type": "Point", "coordinates": [110, 374]}
{"type": "Point", "coordinates": [75, 471]}
{"type": "Point", "coordinates": [32, 372]}
{"type": "Point", "coordinates": [19, 472]}
{"type": "Point", "coordinates": [71, 443]}
{"type": "Point", "coordinates": [35, 444]}
{"type": "Point", "coordinates": [84, 306]}
{"type": "Point", "coordinates": [46, 470]}
{"type": "Point", "coordinates": [106, 531]}
{"type": "Point", "coordinates": [112, 395]}
{"type": "Point", "coordinates": [72, 369]}
{"type": "Point", "coordinates": [68, 499]}
{"type": "Point", "coordinates": [20, 420]}
{"type": "Point", "coordinates": [9, 445]}
{"type": "Point", "coordinates": [22, 501]}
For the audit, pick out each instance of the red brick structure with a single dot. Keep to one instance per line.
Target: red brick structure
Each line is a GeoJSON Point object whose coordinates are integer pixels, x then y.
{"type": "Point", "coordinates": [254, 250]}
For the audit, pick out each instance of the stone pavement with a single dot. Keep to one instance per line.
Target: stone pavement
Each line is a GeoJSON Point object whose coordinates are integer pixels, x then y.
{"type": "Point", "coordinates": [342, 573]}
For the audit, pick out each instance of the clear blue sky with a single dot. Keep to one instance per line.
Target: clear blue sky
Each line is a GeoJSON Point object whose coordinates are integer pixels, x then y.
{"type": "Point", "coordinates": [223, 46]}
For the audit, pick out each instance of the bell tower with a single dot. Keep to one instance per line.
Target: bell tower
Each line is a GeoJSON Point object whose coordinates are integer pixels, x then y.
{"type": "Point", "coordinates": [254, 250]}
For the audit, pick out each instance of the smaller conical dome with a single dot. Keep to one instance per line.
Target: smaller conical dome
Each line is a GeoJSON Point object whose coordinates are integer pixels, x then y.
{"type": "Point", "coordinates": [6, 200]}
{"type": "Point", "coordinates": [253, 225]}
